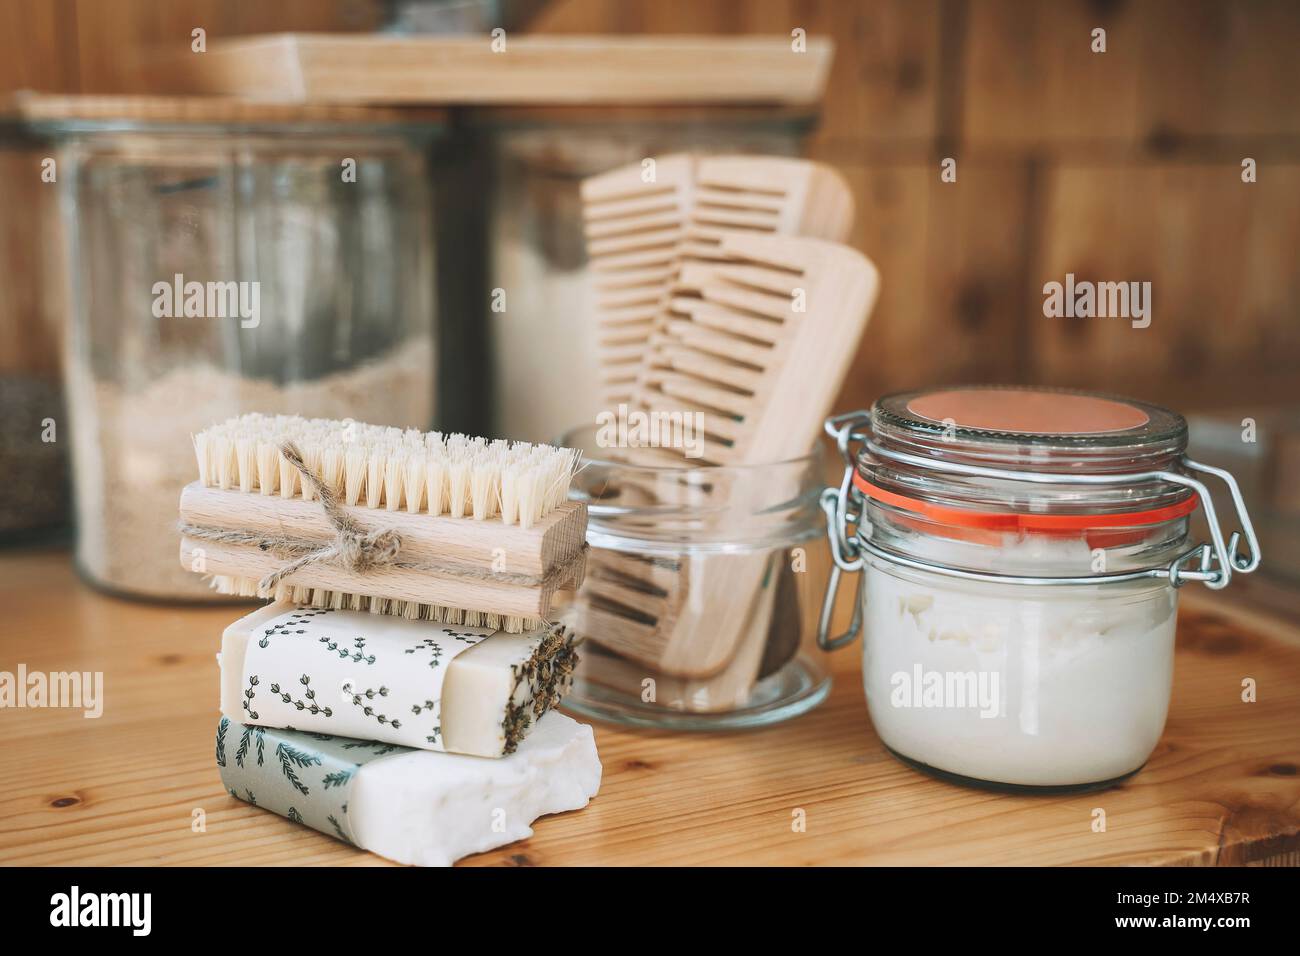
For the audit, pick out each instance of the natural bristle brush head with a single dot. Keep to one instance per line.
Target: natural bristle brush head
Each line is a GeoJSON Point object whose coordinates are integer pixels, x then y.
{"type": "Point", "coordinates": [390, 468]}
{"type": "Point", "coordinates": [344, 601]}
{"type": "Point", "coordinates": [337, 514]}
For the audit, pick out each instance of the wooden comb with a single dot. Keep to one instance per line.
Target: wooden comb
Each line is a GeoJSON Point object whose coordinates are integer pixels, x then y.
{"type": "Point", "coordinates": [757, 195]}
{"type": "Point", "coordinates": [759, 342]}
{"type": "Point", "coordinates": [729, 686]}
{"type": "Point", "coordinates": [640, 225]}
{"type": "Point", "coordinates": [633, 227]}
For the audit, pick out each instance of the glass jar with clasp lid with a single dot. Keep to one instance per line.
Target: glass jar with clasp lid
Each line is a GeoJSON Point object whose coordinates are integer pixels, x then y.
{"type": "Point", "coordinates": [1021, 551]}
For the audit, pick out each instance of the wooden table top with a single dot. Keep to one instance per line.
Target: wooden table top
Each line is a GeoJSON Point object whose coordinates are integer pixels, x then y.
{"type": "Point", "coordinates": [1223, 786]}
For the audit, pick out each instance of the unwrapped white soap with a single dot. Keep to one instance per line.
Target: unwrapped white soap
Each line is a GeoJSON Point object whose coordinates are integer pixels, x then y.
{"type": "Point", "coordinates": [412, 806]}
{"type": "Point", "coordinates": [421, 684]}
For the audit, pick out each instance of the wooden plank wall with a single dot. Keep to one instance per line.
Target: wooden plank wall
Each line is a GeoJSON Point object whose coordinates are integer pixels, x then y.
{"type": "Point", "coordinates": [99, 46]}
{"type": "Point", "coordinates": [1116, 166]}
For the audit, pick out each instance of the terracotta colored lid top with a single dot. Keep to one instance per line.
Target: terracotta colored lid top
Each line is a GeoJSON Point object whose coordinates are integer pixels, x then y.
{"type": "Point", "coordinates": [1027, 412]}
{"type": "Point", "coordinates": [917, 439]}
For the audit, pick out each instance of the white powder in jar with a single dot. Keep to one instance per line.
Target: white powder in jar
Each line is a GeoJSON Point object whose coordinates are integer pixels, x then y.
{"type": "Point", "coordinates": [132, 452]}
{"type": "Point", "coordinates": [1019, 684]}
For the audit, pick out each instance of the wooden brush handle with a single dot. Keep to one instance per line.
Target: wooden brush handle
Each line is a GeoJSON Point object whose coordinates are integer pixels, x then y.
{"type": "Point", "coordinates": [426, 539]}
{"type": "Point", "coordinates": [393, 582]}
{"type": "Point", "coordinates": [459, 562]}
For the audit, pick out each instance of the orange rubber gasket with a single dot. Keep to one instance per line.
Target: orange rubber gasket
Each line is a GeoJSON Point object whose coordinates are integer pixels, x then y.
{"type": "Point", "coordinates": [1014, 520]}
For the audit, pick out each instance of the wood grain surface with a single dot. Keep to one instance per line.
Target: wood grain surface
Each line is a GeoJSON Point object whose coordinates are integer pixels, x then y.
{"type": "Point", "coordinates": [443, 70]}
{"type": "Point", "coordinates": [1222, 788]}
{"type": "Point", "coordinates": [1123, 166]}
{"type": "Point", "coordinates": [41, 109]}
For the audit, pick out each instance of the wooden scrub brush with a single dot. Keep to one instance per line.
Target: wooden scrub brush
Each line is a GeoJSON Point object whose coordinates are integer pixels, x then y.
{"type": "Point", "coordinates": [360, 517]}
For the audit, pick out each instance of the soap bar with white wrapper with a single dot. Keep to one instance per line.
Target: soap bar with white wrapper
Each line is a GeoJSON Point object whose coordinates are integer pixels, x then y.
{"type": "Point", "coordinates": [420, 684]}
{"type": "Point", "coordinates": [411, 806]}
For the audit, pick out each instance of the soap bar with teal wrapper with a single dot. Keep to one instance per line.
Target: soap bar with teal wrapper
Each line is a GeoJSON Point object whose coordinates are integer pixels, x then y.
{"type": "Point", "coordinates": [413, 806]}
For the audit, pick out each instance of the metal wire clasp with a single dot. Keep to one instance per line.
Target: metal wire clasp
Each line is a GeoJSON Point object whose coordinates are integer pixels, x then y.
{"type": "Point", "coordinates": [1216, 561]}
{"type": "Point", "coordinates": [843, 508]}
{"type": "Point", "coordinates": [1212, 563]}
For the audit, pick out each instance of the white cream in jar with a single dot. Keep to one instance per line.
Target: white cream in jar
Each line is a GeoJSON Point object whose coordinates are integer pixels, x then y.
{"type": "Point", "coordinates": [1081, 680]}
{"type": "Point", "coordinates": [1018, 619]}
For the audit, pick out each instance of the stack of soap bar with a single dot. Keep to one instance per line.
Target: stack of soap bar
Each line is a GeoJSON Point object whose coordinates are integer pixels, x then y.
{"type": "Point", "coordinates": [420, 684]}
{"type": "Point", "coordinates": [412, 806]}
{"type": "Point", "coordinates": [369, 701]}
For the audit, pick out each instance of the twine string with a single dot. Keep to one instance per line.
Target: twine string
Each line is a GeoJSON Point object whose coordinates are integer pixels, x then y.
{"type": "Point", "coordinates": [353, 548]}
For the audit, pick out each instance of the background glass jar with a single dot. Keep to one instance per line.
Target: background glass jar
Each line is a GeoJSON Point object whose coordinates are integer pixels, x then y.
{"type": "Point", "coordinates": [537, 159]}
{"type": "Point", "coordinates": [1018, 597]}
{"type": "Point", "coordinates": [336, 262]}
{"type": "Point", "coordinates": [701, 593]}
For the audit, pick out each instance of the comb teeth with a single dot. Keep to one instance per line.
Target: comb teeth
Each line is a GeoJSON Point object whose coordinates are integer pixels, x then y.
{"type": "Point", "coordinates": [641, 232]}
{"type": "Point", "coordinates": [410, 610]}
{"type": "Point", "coordinates": [389, 468]}
{"type": "Point", "coordinates": [633, 227]}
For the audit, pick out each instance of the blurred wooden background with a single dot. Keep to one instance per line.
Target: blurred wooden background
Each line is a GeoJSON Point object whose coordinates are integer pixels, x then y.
{"type": "Point", "coordinates": [1116, 166]}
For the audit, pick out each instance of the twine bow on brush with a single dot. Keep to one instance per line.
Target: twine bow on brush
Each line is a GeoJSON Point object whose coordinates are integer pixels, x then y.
{"type": "Point", "coordinates": [353, 548]}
